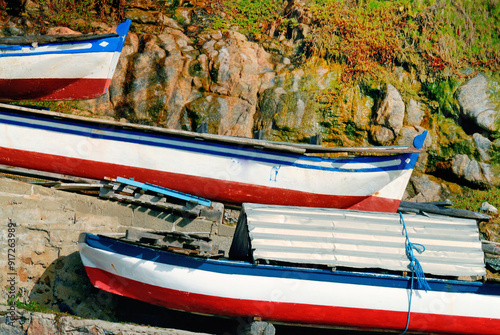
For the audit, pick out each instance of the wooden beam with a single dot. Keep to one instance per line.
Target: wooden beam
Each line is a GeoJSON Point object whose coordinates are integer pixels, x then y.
{"type": "Point", "coordinates": [45, 175]}
{"type": "Point", "coordinates": [46, 39]}
{"type": "Point", "coordinates": [181, 242]}
{"type": "Point", "coordinates": [373, 150]}
{"type": "Point", "coordinates": [129, 194]}
{"type": "Point", "coordinates": [431, 208]}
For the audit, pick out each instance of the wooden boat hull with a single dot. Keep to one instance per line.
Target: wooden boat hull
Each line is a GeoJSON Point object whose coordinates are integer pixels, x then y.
{"type": "Point", "coordinates": [225, 172]}
{"type": "Point", "coordinates": [60, 71]}
{"type": "Point", "coordinates": [288, 294]}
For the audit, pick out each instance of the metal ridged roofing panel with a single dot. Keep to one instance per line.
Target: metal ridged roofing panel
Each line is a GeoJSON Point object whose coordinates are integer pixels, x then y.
{"type": "Point", "coordinates": [346, 238]}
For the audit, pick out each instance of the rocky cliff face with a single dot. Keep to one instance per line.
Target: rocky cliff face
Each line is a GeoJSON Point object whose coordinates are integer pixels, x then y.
{"type": "Point", "coordinates": [181, 77]}
{"type": "Point", "coordinates": [236, 87]}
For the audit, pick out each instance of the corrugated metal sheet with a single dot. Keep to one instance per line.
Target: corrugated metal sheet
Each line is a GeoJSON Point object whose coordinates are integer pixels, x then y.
{"type": "Point", "coordinates": [335, 237]}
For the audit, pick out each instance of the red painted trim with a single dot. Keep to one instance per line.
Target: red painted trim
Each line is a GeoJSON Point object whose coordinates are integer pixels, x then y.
{"type": "Point", "coordinates": [53, 88]}
{"type": "Point", "coordinates": [213, 189]}
{"type": "Point", "coordinates": [289, 312]}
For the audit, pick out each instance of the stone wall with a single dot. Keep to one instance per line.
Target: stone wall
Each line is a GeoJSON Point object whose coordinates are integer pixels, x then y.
{"type": "Point", "coordinates": [33, 323]}
{"type": "Point", "coordinates": [47, 270]}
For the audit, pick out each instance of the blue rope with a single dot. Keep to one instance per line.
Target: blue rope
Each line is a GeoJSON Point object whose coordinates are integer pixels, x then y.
{"type": "Point", "coordinates": [416, 269]}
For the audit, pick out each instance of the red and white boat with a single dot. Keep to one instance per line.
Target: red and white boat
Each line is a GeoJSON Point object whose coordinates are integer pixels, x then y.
{"type": "Point", "coordinates": [220, 168]}
{"type": "Point", "coordinates": [273, 286]}
{"type": "Point", "coordinates": [59, 67]}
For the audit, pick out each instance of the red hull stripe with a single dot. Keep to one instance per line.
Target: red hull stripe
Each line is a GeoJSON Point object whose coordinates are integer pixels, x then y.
{"type": "Point", "coordinates": [53, 88]}
{"type": "Point", "coordinates": [214, 189]}
{"type": "Point", "coordinates": [289, 312]}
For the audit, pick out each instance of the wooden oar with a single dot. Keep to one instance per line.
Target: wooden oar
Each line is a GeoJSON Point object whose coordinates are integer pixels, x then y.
{"type": "Point", "coordinates": [432, 208]}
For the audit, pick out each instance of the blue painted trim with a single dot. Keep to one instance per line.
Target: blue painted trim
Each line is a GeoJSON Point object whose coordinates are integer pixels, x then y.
{"type": "Point", "coordinates": [114, 44]}
{"type": "Point", "coordinates": [10, 47]}
{"type": "Point", "coordinates": [197, 146]}
{"type": "Point", "coordinates": [122, 31]}
{"type": "Point", "coordinates": [244, 268]}
{"type": "Point", "coordinates": [165, 191]}
{"type": "Point", "coordinates": [418, 141]}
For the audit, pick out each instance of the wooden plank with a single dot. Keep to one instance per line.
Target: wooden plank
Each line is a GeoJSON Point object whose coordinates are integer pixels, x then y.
{"type": "Point", "coordinates": [431, 208]}
{"type": "Point", "coordinates": [445, 203]}
{"type": "Point", "coordinates": [314, 148]}
{"type": "Point", "coordinates": [491, 247]}
{"type": "Point", "coordinates": [150, 201]}
{"type": "Point", "coordinates": [174, 241]}
{"type": "Point", "coordinates": [128, 194]}
{"type": "Point", "coordinates": [373, 150]}
{"type": "Point", "coordinates": [77, 186]}
{"type": "Point", "coordinates": [45, 175]}
{"type": "Point", "coordinates": [164, 191]}
{"type": "Point", "coordinates": [47, 39]}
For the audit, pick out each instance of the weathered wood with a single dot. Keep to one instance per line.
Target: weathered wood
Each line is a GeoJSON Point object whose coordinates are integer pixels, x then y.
{"type": "Point", "coordinates": [185, 243]}
{"type": "Point", "coordinates": [373, 150]}
{"type": "Point", "coordinates": [314, 148]}
{"type": "Point", "coordinates": [121, 188]}
{"type": "Point", "coordinates": [130, 194]}
{"type": "Point", "coordinates": [37, 174]}
{"type": "Point", "coordinates": [143, 187]}
{"type": "Point", "coordinates": [430, 208]}
{"type": "Point", "coordinates": [491, 247]}
{"type": "Point", "coordinates": [47, 39]}
{"type": "Point", "coordinates": [150, 201]}
{"type": "Point", "coordinates": [445, 203]}
{"type": "Point", "coordinates": [257, 327]}
{"type": "Point", "coordinates": [77, 186]}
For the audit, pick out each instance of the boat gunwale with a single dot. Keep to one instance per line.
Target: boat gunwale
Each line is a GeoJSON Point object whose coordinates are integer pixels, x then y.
{"type": "Point", "coordinates": [401, 162]}
{"type": "Point", "coordinates": [290, 149]}
{"type": "Point", "coordinates": [53, 39]}
{"type": "Point", "coordinates": [227, 266]}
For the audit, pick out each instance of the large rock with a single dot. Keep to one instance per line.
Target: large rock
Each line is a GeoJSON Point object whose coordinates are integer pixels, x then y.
{"type": "Point", "coordinates": [476, 104]}
{"type": "Point", "coordinates": [471, 171]}
{"type": "Point", "coordinates": [237, 66]}
{"type": "Point", "coordinates": [483, 145]}
{"type": "Point", "coordinates": [223, 115]}
{"type": "Point", "coordinates": [390, 117]}
{"type": "Point", "coordinates": [392, 110]}
{"type": "Point", "coordinates": [287, 110]}
{"type": "Point", "coordinates": [414, 113]}
{"type": "Point", "coordinates": [162, 79]}
{"type": "Point", "coordinates": [426, 190]}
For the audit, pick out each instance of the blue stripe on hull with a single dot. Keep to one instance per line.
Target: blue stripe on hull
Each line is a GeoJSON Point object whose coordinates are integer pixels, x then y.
{"type": "Point", "coordinates": [407, 161]}
{"type": "Point", "coordinates": [244, 268]}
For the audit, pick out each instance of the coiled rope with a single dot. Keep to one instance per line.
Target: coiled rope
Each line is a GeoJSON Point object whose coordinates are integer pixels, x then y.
{"type": "Point", "coordinates": [415, 267]}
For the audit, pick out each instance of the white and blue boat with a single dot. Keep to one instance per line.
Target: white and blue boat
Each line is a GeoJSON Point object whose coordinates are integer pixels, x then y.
{"type": "Point", "coordinates": [220, 168]}
{"type": "Point", "coordinates": [59, 67]}
{"type": "Point", "coordinates": [317, 267]}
